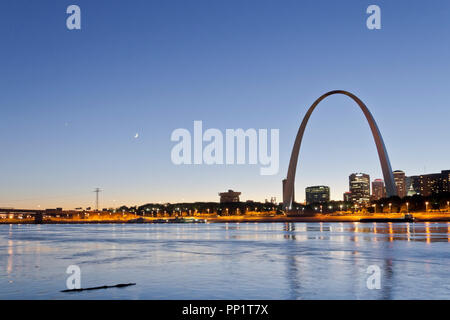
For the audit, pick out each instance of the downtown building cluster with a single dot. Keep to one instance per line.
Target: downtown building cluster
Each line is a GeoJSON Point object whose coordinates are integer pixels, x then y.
{"type": "Point", "coordinates": [363, 191]}
{"type": "Point", "coordinates": [423, 185]}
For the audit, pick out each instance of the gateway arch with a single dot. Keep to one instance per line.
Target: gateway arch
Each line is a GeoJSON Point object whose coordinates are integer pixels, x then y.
{"type": "Point", "coordinates": [288, 183]}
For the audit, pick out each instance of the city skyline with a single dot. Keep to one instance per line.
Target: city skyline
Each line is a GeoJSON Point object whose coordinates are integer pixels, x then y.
{"type": "Point", "coordinates": [422, 185]}
{"type": "Point", "coordinates": [96, 107]}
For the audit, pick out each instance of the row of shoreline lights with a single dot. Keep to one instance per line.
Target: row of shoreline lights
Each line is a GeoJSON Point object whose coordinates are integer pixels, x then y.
{"type": "Point", "coordinates": [375, 207]}
{"type": "Point", "coordinates": [329, 207]}
{"type": "Point", "coordinates": [407, 206]}
{"type": "Point", "coordinates": [316, 208]}
{"type": "Point", "coordinates": [179, 210]}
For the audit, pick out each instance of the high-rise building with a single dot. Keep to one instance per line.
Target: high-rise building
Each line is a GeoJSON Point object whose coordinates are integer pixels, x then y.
{"type": "Point", "coordinates": [428, 184]}
{"type": "Point", "coordinates": [347, 196]}
{"type": "Point", "coordinates": [378, 189]}
{"type": "Point", "coordinates": [317, 194]}
{"type": "Point", "coordinates": [400, 182]}
{"type": "Point", "coordinates": [360, 187]}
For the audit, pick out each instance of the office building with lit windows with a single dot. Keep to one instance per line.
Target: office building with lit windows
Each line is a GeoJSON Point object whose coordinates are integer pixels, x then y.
{"type": "Point", "coordinates": [317, 194]}
{"type": "Point", "coordinates": [400, 182]}
{"type": "Point", "coordinates": [429, 184]}
{"type": "Point", "coordinates": [359, 184]}
{"type": "Point", "coordinates": [378, 189]}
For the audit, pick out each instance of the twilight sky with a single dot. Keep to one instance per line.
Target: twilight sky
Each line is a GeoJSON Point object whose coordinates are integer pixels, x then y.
{"type": "Point", "coordinates": [71, 102]}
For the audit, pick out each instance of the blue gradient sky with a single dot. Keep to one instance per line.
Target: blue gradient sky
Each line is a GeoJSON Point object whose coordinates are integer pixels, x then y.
{"type": "Point", "coordinates": [71, 101]}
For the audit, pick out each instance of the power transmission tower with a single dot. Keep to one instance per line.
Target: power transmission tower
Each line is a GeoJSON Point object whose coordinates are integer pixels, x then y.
{"type": "Point", "coordinates": [97, 191]}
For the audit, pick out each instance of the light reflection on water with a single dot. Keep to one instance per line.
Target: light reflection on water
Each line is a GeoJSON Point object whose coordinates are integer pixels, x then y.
{"type": "Point", "coordinates": [227, 261]}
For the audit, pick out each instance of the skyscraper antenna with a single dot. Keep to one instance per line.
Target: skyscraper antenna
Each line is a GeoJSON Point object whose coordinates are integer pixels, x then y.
{"type": "Point", "coordinates": [97, 191]}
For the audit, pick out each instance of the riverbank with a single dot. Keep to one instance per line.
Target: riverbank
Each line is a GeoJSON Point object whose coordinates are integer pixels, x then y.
{"type": "Point", "coordinates": [420, 217]}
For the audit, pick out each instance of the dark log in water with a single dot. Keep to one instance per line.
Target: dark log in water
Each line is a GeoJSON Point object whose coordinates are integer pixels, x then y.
{"type": "Point", "coordinates": [120, 285]}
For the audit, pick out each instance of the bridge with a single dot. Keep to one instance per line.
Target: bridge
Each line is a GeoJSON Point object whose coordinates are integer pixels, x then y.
{"type": "Point", "coordinates": [38, 215]}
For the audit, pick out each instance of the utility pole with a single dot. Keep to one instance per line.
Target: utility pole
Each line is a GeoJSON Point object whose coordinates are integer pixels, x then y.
{"type": "Point", "coordinates": [97, 191]}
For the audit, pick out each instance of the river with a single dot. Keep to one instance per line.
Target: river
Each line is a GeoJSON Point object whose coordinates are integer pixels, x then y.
{"type": "Point", "coordinates": [228, 260]}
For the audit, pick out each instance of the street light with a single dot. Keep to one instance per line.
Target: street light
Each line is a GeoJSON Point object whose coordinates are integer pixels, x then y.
{"type": "Point", "coordinates": [426, 206]}
{"type": "Point", "coordinates": [448, 203]}
{"type": "Point", "coordinates": [407, 207]}
{"type": "Point", "coordinates": [390, 207]}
